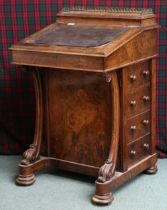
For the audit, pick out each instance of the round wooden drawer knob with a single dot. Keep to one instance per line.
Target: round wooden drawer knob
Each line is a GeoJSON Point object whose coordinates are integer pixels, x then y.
{"type": "Point", "coordinates": [133, 127]}
{"type": "Point", "coordinates": [133, 153]}
{"type": "Point", "coordinates": [146, 72]}
{"type": "Point", "coordinates": [132, 77]}
{"type": "Point", "coordinates": [146, 98]}
{"type": "Point", "coordinates": [133, 102]}
{"type": "Point", "coordinates": [146, 146]}
{"type": "Point", "coordinates": [146, 122]}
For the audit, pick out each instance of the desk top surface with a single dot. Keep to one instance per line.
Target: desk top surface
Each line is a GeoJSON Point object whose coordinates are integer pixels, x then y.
{"type": "Point", "coordinates": [75, 35]}
{"type": "Point", "coordinates": [91, 33]}
{"type": "Point", "coordinates": [90, 41]}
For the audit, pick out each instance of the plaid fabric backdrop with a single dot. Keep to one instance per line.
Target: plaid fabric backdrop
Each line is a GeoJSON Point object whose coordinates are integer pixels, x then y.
{"type": "Point", "coordinates": [20, 18]}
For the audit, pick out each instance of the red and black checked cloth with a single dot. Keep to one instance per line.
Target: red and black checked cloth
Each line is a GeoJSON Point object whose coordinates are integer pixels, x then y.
{"type": "Point", "coordinates": [20, 18]}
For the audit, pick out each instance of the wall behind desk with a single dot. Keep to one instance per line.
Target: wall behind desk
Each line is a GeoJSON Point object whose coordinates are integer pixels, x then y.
{"type": "Point", "coordinates": [20, 18]}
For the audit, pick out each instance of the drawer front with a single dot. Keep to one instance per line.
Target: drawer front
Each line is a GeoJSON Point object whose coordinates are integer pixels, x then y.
{"type": "Point", "coordinates": [136, 76]}
{"type": "Point", "coordinates": [137, 102]}
{"type": "Point", "coordinates": [138, 150]}
{"type": "Point", "coordinates": [137, 126]}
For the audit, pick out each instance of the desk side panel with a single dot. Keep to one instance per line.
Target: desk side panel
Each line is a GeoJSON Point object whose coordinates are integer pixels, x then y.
{"type": "Point", "coordinates": [79, 117]}
{"type": "Point", "coordinates": [139, 48]}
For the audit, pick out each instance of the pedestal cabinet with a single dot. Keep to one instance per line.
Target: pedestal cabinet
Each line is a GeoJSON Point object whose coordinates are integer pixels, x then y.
{"type": "Point", "coordinates": [94, 78]}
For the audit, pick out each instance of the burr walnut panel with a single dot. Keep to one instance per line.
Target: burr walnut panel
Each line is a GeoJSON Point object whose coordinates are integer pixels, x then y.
{"type": "Point", "coordinates": [79, 113]}
{"type": "Point", "coordinates": [135, 49]}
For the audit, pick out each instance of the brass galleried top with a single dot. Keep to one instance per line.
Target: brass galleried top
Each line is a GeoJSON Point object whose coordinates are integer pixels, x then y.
{"type": "Point", "coordinates": [111, 10]}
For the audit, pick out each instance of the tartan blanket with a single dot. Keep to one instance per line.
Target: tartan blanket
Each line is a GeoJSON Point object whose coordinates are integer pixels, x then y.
{"type": "Point", "coordinates": [20, 18]}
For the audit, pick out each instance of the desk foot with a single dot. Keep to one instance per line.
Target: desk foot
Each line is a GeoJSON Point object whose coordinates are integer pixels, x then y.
{"type": "Point", "coordinates": [103, 199]}
{"type": "Point", "coordinates": [27, 172]}
{"type": "Point", "coordinates": [25, 180]}
{"type": "Point", "coordinates": [152, 170]}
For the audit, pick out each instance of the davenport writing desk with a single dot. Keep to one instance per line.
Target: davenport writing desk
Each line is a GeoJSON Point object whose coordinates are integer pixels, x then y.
{"type": "Point", "coordinates": [94, 78]}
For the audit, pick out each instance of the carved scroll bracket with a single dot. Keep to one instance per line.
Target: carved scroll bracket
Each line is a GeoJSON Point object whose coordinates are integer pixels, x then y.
{"type": "Point", "coordinates": [32, 154]}
{"type": "Point", "coordinates": [29, 155]}
{"type": "Point", "coordinates": [107, 171]}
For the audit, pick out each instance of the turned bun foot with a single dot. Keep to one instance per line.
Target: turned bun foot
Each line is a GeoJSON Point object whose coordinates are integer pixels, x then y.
{"type": "Point", "coordinates": [151, 170]}
{"type": "Point", "coordinates": [102, 199]}
{"type": "Point", "coordinates": [25, 179]}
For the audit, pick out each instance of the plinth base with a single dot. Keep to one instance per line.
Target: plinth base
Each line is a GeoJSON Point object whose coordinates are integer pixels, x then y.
{"type": "Point", "coordinates": [103, 194]}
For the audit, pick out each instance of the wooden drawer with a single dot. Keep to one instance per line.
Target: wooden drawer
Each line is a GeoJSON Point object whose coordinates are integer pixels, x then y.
{"type": "Point", "coordinates": [136, 76]}
{"type": "Point", "coordinates": [137, 126]}
{"type": "Point", "coordinates": [137, 102]}
{"type": "Point", "coordinates": [138, 150]}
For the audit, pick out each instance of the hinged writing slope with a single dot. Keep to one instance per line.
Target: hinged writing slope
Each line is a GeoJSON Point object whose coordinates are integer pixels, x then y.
{"type": "Point", "coordinates": [91, 42]}
{"type": "Point", "coordinates": [94, 79]}
{"type": "Point", "coordinates": [75, 35]}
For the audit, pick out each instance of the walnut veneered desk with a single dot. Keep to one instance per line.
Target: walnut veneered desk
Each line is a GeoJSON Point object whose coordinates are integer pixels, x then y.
{"type": "Point", "coordinates": [94, 78]}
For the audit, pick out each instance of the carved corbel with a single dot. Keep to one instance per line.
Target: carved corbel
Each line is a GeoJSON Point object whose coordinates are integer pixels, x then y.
{"type": "Point", "coordinates": [29, 155]}
{"type": "Point", "coordinates": [107, 171]}
{"type": "Point", "coordinates": [32, 153]}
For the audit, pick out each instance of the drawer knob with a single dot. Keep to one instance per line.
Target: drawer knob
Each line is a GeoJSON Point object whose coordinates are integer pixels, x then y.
{"type": "Point", "coordinates": [146, 122]}
{"type": "Point", "coordinates": [132, 77]}
{"type": "Point", "coordinates": [133, 127]}
{"type": "Point", "coordinates": [133, 152]}
{"type": "Point", "coordinates": [146, 98]}
{"type": "Point", "coordinates": [146, 72]}
{"type": "Point", "coordinates": [146, 146]}
{"type": "Point", "coordinates": [133, 102]}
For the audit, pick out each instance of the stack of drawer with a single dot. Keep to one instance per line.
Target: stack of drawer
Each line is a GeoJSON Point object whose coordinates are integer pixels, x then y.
{"type": "Point", "coordinates": [136, 111]}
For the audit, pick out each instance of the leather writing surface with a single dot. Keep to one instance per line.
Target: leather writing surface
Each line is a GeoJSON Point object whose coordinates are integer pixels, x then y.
{"type": "Point", "coordinates": [77, 36]}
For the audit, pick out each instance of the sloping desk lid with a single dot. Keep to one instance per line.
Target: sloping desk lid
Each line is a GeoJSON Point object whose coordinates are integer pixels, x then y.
{"type": "Point", "coordinates": [78, 39]}
{"type": "Point", "coordinates": [86, 40]}
{"type": "Point", "coordinates": [76, 36]}
{"type": "Point", "coordinates": [89, 32]}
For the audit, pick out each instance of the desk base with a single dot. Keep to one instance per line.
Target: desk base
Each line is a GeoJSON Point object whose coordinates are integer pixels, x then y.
{"type": "Point", "coordinates": [103, 194]}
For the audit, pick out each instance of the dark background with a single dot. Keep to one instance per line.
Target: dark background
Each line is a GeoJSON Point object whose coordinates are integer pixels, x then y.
{"type": "Point", "coordinates": [20, 18]}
